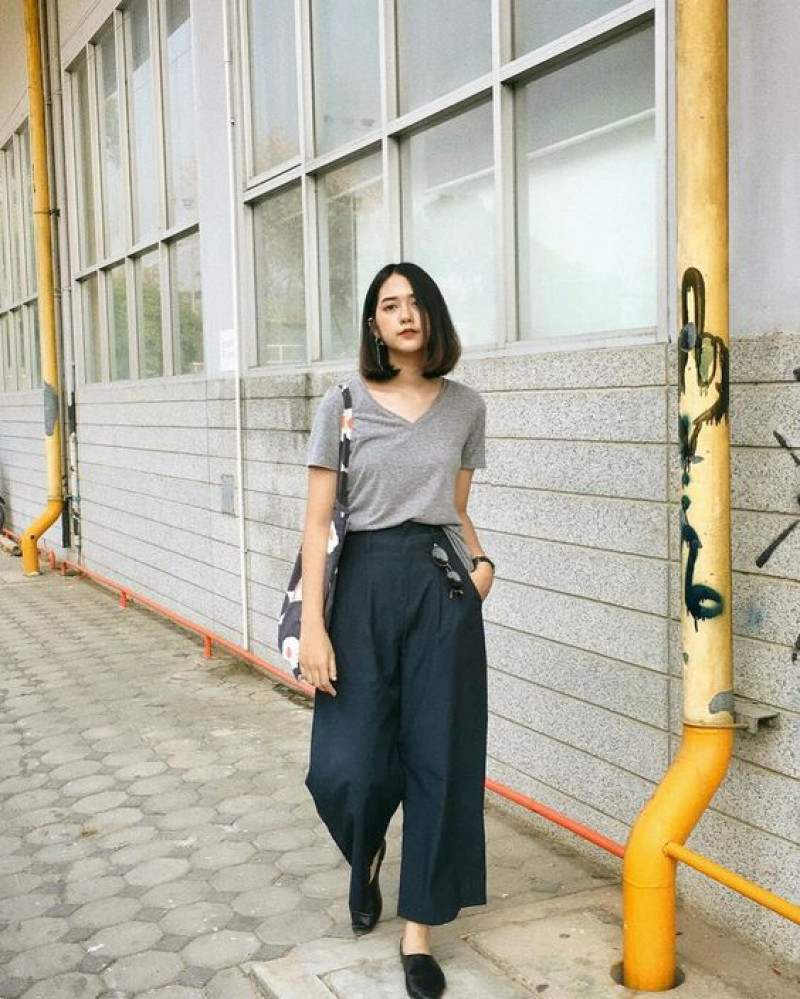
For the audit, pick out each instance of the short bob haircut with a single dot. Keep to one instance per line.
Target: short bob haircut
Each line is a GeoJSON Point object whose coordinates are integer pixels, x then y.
{"type": "Point", "coordinates": [443, 344]}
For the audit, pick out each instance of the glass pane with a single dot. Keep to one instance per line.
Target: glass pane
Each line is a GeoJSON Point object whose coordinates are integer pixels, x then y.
{"type": "Point", "coordinates": [352, 244]}
{"type": "Point", "coordinates": [14, 225]}
{"type": "Point", "coordinates": [586, 170]}
{"type": "Point", "coordinates": [141, 122]}
{"type": "Point", "coordinates": [118, 350]}
{"type": "Point", "coordinates": [280, 281]}
{"type": "Point", "coordinates": [148, 315]}
{"type": "Point", "coordinates": [27, 213]}
{"type": "Point", "coordinates": [5, 354]}
{"type": "Point", "coordinates": [36, 349]}
{"type": "Point", "coordinates": [273, 83]}
{"type": "Point", "coordinates": [111, 152]}
{"type": "Point", "coordinates": [179, 100]}
{"type": "Point", "coordinates": [20, 353]}
{"type": "Point", "coordinates": [441, 46]}
{"type": "Point", "coordinates": [347, 91]}
{"type": "Point", "coordinates": [537, 22]}
{"type": "Point", "coordinates": [83, 153]}
{"type": "Point", "coordinates": [5, 290]}
{"type": "Point", "coordinates": [93, 329]}
{"type": "Point", "coordinates": [450, 216]}
{"type": "Point", "coordinates": [187, 315]}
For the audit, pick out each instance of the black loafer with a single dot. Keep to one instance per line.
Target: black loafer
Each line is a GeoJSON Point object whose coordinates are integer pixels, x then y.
{"type": "Point", "coordinates": [363, 922]}
{"type": "Point", "coordinates": [424, 978]}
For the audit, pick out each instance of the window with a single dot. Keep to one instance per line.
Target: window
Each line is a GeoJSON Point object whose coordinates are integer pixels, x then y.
{"type": "Point", "coordinates": [352, 247]}
{"type": "Point", "coordinates": [187, 302]}
{"type": "Point", "coordinates": [347, 82]}
{"type": "Point", "coordinates": [138, 283]}
{"type": "Point", "coordinates": [441, 46]}
{"type": "Point", "coordinates": [274, 126]}
{"type": "Point", "coordinates": [586, 195]}
{"type": "Point", "coordinates": [537, 22]}
{"type": "Point", "coordinates": [280, 280]}
{"type": "Point", "coordinates": [19, 323]}
{"type": "Point", "coordinates": [510, 149]}
{"type": "Point", "coordinates": [142, 123]}
{"type": "Point", "coordinates": [449, 224]}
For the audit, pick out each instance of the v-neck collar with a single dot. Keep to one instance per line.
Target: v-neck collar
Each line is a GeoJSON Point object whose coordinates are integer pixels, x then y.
{"type": "Point", "coordinates": [401, 419]}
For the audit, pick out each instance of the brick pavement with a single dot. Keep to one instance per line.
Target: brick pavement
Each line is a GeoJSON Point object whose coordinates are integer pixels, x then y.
{"type": "Point", "coordinates": [156, 839]}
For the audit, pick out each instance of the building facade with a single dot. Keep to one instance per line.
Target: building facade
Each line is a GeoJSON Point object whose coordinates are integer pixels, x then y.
{"type": "Point", "coordinates": [228, 177]}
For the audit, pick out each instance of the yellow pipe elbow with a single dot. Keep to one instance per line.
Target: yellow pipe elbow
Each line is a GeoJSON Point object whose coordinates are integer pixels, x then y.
{"type": "Point", "coordinates": [30, 540]}
{"type": "Point", "coordinates": [648, 874]}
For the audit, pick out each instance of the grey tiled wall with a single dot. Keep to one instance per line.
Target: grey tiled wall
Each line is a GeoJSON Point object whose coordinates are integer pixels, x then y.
{"type": "Point", "coordinates": [578, 506]}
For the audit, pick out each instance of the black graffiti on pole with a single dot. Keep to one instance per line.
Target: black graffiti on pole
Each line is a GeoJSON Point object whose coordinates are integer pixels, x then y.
{"type": "Point", "coordinates": [768, 552]}
{"type": "Point", "coordinates": [711, 365]}
{"type": "Point", "coordinates": [702, 601]}
{"type": "Point", "coordinates": [711, 362]}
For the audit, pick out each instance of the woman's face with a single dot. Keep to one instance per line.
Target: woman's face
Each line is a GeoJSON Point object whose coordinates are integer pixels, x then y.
{"type": "Point", "coordinates": [398, 320]}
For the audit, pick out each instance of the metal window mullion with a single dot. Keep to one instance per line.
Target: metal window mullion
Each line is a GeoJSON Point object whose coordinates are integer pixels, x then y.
{"type": "Point", "coordinates": [96, 132]}
{"type": "Point", "coordinates": [286, 180]}
{"type": "Point", "coordinates": [666, 216]}
{"type": "Point", "coordinates": [504, 179]}
{"type": "Point", "coordinates": [104, 367]}
{"type": "Point", "coordinates": [154, 23]}
{"type": "Point", "coordinates": [13, 373]}
{"type": "Point", "coordinates": [2, 352]}
{"type": "Point", "coordinates": [249, 314]}
{"type": "Point", "coordinates": [5, 249]}
{"type": "Point", "coordinates": [390, 147]}
{"type": "Point", "coordinates": [72, 206]}
{"type": "Point", "coordinates": [387, 26]}
{"type": "Point", "coordinates": [305, 79]}
{"type": "Point", "coordinates": [29, 266]}
{"type": "Point", "coordinates": [18, 225]}
{"type": "Point", "coordinates": [308, 184]}
{"type": "Point", "coordinates": [586, 36]}
{"type": "Point", "coordinates": [133, 318]}
{"type": "Point", "coordinates": [167, 312]}
{"type": "Point", "coordinates": [308, 191]}
{"type": "Point", "coordinates": [124, 137]}
{"type": "Point", "coordinates": [242, 46]}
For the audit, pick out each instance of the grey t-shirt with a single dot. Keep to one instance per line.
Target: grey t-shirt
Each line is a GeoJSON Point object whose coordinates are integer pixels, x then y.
{"type": "Point", "coordinates": [399, 470]}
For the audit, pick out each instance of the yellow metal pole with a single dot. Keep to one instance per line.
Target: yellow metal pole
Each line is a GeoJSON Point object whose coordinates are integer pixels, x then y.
{"type": "Point", "coordinates": [735, 882]}
{"type": "Point", "coordinates": [44, 274]}
{"type": "Point", "coordinates": [649, 961]}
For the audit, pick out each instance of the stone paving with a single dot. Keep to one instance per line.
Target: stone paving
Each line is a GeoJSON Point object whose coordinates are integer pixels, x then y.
{"type": "Point", "coordinates": [156, 838]}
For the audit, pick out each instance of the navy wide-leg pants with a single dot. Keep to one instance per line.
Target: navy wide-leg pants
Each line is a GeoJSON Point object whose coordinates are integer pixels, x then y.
{"type": "Point", "coordinates": [408, 724]}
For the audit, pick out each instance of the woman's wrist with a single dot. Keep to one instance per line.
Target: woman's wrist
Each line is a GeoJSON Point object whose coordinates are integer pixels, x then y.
{"type": "Point", "coordinates": [482, 560]}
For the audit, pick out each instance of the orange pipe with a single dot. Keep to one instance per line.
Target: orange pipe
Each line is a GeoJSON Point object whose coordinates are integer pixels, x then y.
{"type": "Point", "coordinates": [591, 835]}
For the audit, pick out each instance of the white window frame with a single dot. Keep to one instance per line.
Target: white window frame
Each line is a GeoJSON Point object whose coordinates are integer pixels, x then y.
{"type": "Point", "coordinates": [496, 86]}
{"type": "Point", "coordinates": [132, 250]}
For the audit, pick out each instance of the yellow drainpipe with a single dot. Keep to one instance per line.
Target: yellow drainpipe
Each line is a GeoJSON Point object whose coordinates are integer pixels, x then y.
{"type": "Point", "coordinates": [44, 274]}
{"type": "Point", "coordinates": [649, 961]}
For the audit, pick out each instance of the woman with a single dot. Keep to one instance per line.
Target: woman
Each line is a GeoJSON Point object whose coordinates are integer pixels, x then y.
{"type": "Point", "coordinates": [400, 712]}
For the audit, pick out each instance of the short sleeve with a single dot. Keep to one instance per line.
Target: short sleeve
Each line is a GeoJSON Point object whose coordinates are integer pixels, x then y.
{"type": "Point", "coordinates": [323, 444]}
{"type": "Point", "coordinates": [473, 454]}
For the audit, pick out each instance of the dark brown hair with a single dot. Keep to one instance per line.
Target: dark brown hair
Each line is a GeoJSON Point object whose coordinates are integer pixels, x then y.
{"type": "Point", "coordinates": [443, 344]}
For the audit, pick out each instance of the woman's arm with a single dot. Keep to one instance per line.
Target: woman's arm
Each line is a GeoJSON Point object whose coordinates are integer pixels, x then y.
{"type": "Point", "coordinates": [483, 576]}
{"type": "Point", "coordinates": [317, 660]}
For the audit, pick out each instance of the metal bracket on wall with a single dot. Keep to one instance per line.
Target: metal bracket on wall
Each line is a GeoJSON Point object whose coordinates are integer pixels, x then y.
{"type": "Point", "coordinates": [752, 715]}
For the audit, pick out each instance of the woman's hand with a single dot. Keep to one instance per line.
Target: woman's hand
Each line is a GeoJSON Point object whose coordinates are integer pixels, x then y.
{"type": "Point", "coordinates": [317, 659]}
{"type": "Point", "coordinates": [483, 578]}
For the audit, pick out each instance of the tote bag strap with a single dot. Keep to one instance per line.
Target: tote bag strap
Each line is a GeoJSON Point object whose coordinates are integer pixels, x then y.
{"type": "Point", "coordinates": [345, 435]}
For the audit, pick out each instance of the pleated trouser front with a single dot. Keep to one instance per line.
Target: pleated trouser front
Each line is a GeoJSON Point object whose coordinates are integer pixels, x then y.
{"type": "Point", "coordinates": [408, 724]}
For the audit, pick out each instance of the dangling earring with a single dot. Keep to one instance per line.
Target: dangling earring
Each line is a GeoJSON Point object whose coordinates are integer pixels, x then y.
{"type": "Point", "coordinates": [381, 354]}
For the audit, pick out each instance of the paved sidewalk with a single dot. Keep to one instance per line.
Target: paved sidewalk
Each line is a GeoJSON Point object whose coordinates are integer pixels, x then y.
{"type": "Point", "coordinates": [156, 840]}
